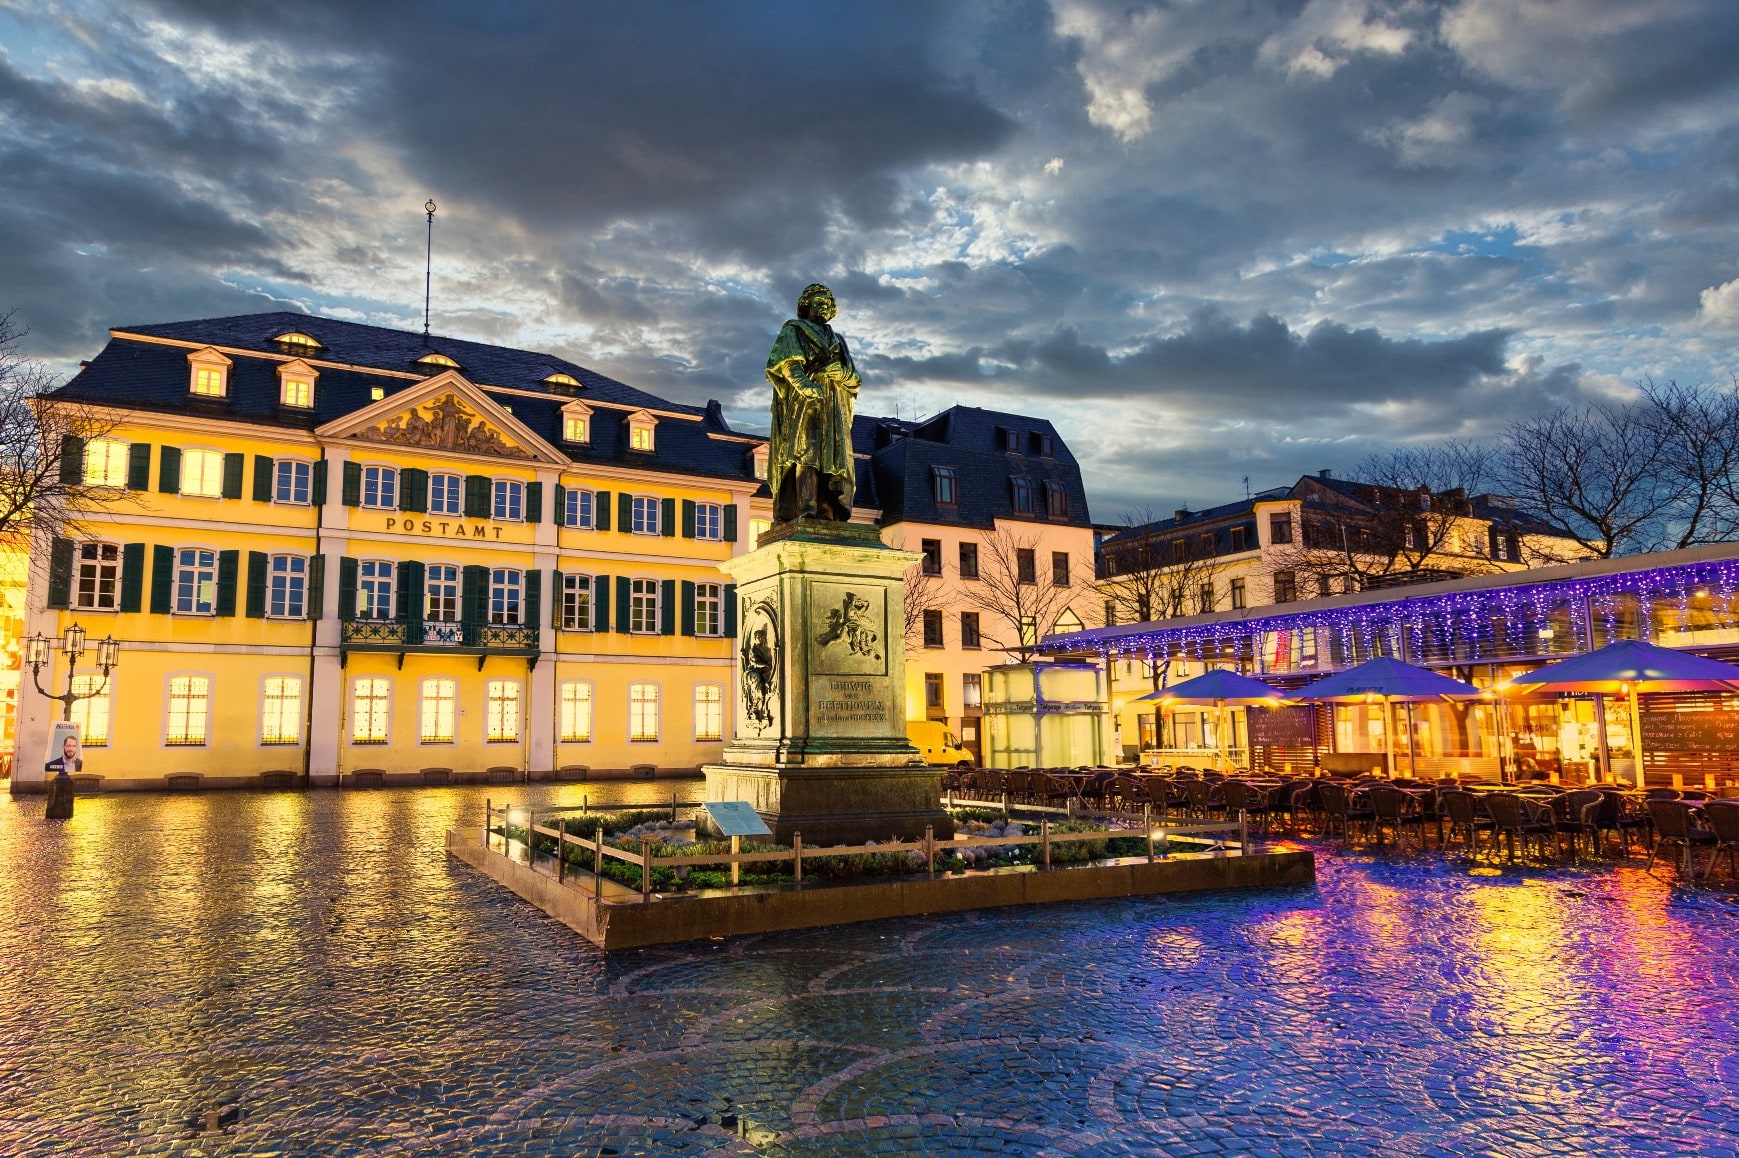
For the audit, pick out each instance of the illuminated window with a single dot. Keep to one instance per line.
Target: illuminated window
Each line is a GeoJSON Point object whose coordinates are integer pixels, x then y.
{"type": "Point", "coordinates": [374, 589]}
{"type": "Point", "coordinates": [287, 594]}
{"type": "Point", "coordinates": [209, 381]}
{"type": "Point", "coordinates": [298, 341]}
{"type": "Point", "coordinates": [439, 702]}
{"type": "Point", "coordinates": [435, 363]}
{"type": "Point", "coordinates": [502, 723]}
{"type": "Point", "coordinates": [1029, 631]}
{"type": "Point", "coordinates": [195, 581]}
{"type": "Point", "coordinates": [380, 487]}
{"type": "Point", "coordinates": [972, 690]}
{"type": "Point", "coordinates": [91, 714]}
{"type": "Point", "coordinates": [295, 392]}
{"type": "Point", "coordinates": [757, 528]}
{"type": "Point", "coordinates": [640, 438]}
{"type": "Point", "coordinates": [292, 482]}
{"type": "Point", "coordinates": [643, 607]}
{"type": "Point", "coordinates": [709, 712]}
{"type": "Point", "coordinates": [576, 602]}
{"type": "Point", "coordinates": [446, 494]}
{"type": "Point", "coordinates": [576, 428]}
{"type": "Point", "coordinates": [98, 577]}
{"type": "Point", "coordinates": [508, 500]}
{"type": "Point", "coordinates": [281, 711]}
{"type": "Point", "coordinates": [645, 510]}
{"type": "Point", "coordinates": [505, 585]}
{"type": "Point", "coordinates": [709, 521]}
{"type": "Point", "coordinates": [189, 705]}
{"type": "Point", "coordinates": [576, 712]}
{"type": "Point", "coordinates": [370, 700]}
{"type": "Point", "coordinates": [202, 473]}
{"type": "Point", "coordinates": [106, 462]}
{"type": "Point", "coordinates": [709, 602]}
{"type": "Point", "coordinates": [642, 712]}
{"type": "Point", "coordinates": [376, 393]}
{"type": "Point", "coordinates": [579, 509]}
{"type": "Point", "coordinates": [759, 457]}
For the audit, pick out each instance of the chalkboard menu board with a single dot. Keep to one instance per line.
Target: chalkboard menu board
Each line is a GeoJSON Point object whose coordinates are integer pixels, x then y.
{"type": "Point", "coordinates": [1292, 727]}
{"type": "Point", "coordinates": [1716, 731]}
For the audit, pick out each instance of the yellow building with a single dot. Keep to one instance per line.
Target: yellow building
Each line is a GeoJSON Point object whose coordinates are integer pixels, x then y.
{"type": "Point", "coordinates": [333, 549]}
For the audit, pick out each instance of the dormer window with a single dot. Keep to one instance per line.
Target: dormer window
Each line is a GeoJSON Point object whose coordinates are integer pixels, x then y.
{"type": "Point", "coordinates": [566, 383]}
{"type": "Point", "coordinates": [435, 363]}
{"type": "Point", "coordinates": [1010, 439]}
{"type": "Point", "coordinates": [641, 426]}
{"type": "Point", "coordinates": [210, 377]}
{"type": "Point", "coordinates": [1045, 445]}
{"type": "Point", "coordinates": [299, 343]}
{"type": "Point", "coordinates": [296, 384]}
{"type": "Point", "coordinates": [577, 424]}
{"type": "Point", "coordinates": [759, 456]}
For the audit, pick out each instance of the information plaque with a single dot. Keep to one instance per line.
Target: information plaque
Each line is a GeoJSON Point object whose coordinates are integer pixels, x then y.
{"type": "Point", "coordinates": [737, 818]}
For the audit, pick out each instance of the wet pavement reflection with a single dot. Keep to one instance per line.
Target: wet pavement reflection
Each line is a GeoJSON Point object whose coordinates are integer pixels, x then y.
{"type": "Point", "coordinates": [309, 974]}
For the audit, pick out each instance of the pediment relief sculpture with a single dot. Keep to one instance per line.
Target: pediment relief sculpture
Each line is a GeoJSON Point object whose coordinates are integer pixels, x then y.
{"type": "Point", "coordinates": [444, 425]}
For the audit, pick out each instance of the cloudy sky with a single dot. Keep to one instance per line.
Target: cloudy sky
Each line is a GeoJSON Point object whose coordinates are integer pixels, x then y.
{"type": "Point", "coordinates": [1211, 239]}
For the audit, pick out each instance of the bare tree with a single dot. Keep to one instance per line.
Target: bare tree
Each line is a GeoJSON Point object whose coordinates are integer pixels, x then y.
{"type": "Point", "coordinates": [1699, 427]}
{"type": "Point", "coordinates": [1599, 473]}
{"type": "Point", "coordinates": [42, 441]}
{"type": "Point", "coordinates": [1015, 592]}
{"type": "Point", "coordinates": [925, 591]}
{"type": "Point", "coordinates": [1146, 577]}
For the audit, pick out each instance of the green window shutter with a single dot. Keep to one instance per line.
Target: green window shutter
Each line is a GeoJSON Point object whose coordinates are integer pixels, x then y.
{"type": "Point", "coordinates": [414, 489]}
{"type": "Point", "coordinates": [474, 601]}
{"type": "Point", "coordinates": [623, 587]}
{"type": "Point", "coordinates": [72, 460]}
{"type": "Point", "coordinates": [346, 587]}
{"type": "Point", "coordinates": [133, 577]}
{"type": "Point", "coordinates": [233, 466]}
{"type": "Point", "coordinates": [318, 491]}
{"type": "Point", "coordinates": [476, 496]}
{"type": "Point", "coordinates": [169, 471]}
{"type": "Point", "coordinates": [730, 611]}
{"type": "Point", "coordinates": [60, 574]}
{"type": "Point", "coordinates": [258, 562]}
{"type": "Point", "coordinates": [413, 576]}
{"type": "Point", "coordinates": [556, 597]}
{"type": "Point", "coordinates": [228, 563]}
{"type": "Point", "coordinates": [558, 512]}
{"type": "Point", "coordinates": [532, 612]}
{"type": "Point", "coordinates": [600, 603]}
{"type": "Point", "coordinates": [139, 466]}
{"type": "Point", "coordinates": [601, 511]}
{"type": "Point", "coordinates": [688, 518]}
{"type": "Point", "coordinates": [624, 513]}
{"type": "Point", "coordinates": [263, 469]}
{"type": "Point", "coordinates": [667, 519]}
{"type": "Point", "coordinates": [687, 607]}
{"type": "Point", "coordinates": [351, 492]}
{"type": "Point", "coordinates": [667, 604]}
{"type": "Point", "coordinates": [316, 601]}
{"type": "Point", "coordinates": [162, 580]}
{"type": "Point", "coordinates": [534, 502]}
{"type": "Point", "coordinates": [730, 522]}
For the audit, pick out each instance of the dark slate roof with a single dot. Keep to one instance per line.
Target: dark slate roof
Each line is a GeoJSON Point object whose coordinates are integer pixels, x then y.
{"type": "Point", "coordinates": [901, 452]}
{"type": "Point", "coordinates": [152, 376]}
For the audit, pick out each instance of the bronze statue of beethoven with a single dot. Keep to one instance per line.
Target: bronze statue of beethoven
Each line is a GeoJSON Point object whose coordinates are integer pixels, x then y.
{"type": "Point", "coordinates": [809, 463]}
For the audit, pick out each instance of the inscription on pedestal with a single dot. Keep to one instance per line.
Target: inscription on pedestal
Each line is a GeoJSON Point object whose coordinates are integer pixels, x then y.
{"type": "Point", "coordinates": [848, 626]}
{"type": "Point", "coordinates": [854, 705]}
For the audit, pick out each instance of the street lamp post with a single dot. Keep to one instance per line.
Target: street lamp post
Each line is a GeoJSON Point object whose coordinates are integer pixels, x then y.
{"type": "Point", "coordinates": [72, 645]}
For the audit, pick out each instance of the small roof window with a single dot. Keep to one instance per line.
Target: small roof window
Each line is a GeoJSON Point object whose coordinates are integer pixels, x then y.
{"type": "Point", "coordinates": [299, 342]}
{"type": "Point", "coordinates": [437, 362]}
{"type": "Point", "coordinates": [564, 380]}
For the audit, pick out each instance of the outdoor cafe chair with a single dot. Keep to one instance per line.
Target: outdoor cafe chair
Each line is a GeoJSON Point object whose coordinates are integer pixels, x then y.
{"type": "Point", "coordinates": [1514, 816]}
{"type": "Point", "coordinates": [1462, 810]}
{"type": "Point", "coordinates": [1338, 808]}
{"type": "Point", "coordinates": [1575, 814]}
{"type": "Point", "coordinates": [1663, 794]}
{"type": "Point", "coordinates": [1674, 823]}
{"type": "Point", "coordinates": [1257, 804]}
{"type": "Point", "coordinates": [1722, 817]}
{"type": "Point", "coordinates": [1618, 815]}
{"type": "Point", "coordinates": [1391, 806]}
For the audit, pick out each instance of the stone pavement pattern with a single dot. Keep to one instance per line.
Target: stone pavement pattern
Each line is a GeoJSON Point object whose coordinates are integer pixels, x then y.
{"type": "Point", "coordinates": [258, 957]}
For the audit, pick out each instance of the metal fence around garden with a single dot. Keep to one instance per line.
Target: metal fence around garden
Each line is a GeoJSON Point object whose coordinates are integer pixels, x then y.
{"type": "Point", "coordinates": [534, 823]}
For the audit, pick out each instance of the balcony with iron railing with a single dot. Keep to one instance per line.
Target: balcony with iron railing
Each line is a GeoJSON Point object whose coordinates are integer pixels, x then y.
{"type": "Point", "coordinates": [463, 637]}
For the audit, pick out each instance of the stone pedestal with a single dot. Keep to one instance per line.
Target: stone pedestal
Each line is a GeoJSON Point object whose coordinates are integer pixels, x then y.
{"type": "Point", "coordinates": [819, 741]}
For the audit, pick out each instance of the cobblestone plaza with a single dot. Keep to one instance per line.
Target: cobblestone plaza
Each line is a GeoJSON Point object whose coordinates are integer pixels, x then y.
{"type": "Point", "coordinates": [309, 974]}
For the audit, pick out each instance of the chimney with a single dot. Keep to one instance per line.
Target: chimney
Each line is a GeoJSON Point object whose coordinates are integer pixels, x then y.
{"type": "Point", "coordinates": [1182, 513]}
{"type": "Point", "coordinates": [1325, 473]}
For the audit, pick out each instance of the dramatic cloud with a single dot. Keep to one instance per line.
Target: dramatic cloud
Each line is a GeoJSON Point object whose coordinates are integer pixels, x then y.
{"type": "Point", "coordinates": [1210, 241]}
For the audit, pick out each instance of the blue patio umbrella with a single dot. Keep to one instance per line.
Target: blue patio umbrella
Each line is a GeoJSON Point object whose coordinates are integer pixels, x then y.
{"type": "Point", "coordinates": [1629, 668]}
{"type": "Point", "coordinates": [1219, 687]}
{"type": "Point", "coordinates": [1386, 680]}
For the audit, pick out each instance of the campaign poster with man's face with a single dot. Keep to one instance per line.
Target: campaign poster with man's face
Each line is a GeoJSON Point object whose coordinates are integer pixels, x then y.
{"type": "Point", "coordinates": [65, 750]}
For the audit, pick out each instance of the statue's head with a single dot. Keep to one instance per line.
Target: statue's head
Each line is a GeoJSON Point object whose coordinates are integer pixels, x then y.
{"type": "Point", "coordinates": [816, 301]}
